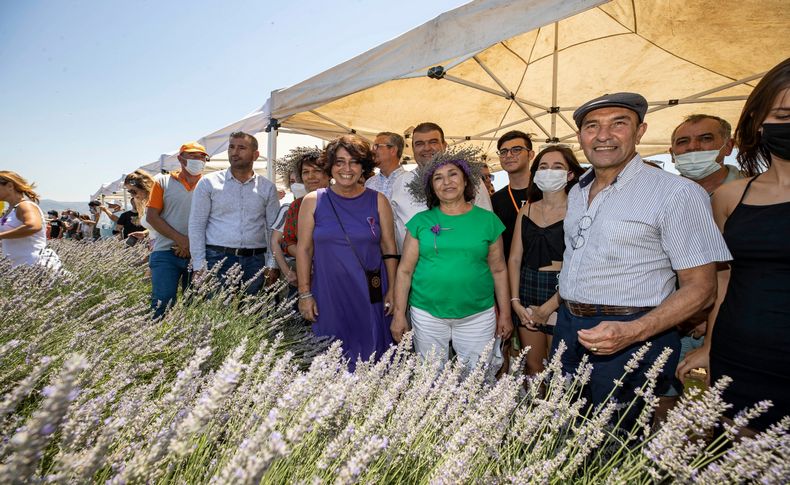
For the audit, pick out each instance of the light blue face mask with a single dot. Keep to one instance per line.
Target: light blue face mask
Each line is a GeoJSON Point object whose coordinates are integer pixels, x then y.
{"type": "Point", "coordinates": [298, 190]}
{"type": "Point", "coordinates": [697, 165]}
{"type": "Point", "coordinates": [195, 167]}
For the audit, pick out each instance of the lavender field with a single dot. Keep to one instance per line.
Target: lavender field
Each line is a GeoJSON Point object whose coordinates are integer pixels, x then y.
{"type": "Point", "coordinates": [227, 390]}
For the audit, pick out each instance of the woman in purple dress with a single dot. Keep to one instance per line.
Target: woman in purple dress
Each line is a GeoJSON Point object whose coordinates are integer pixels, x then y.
{"type": "Point", "coordinates": [346, 255]}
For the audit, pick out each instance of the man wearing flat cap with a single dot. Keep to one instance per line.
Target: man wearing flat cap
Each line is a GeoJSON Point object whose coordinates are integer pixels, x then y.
{"type": "Point", "coordinates": [168, 213]}
{"type": "Point", "coordinates": [633, 234]}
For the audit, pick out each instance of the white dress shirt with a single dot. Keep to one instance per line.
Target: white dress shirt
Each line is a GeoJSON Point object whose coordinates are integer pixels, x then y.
{"type": "Point", "coordinates": [232, 214]}
{"type": "Point", "coordinates": [645, 226]}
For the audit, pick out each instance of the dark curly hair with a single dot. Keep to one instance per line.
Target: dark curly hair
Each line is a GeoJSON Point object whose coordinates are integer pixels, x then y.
{"type": "Point", "coordinates": [356, 146]}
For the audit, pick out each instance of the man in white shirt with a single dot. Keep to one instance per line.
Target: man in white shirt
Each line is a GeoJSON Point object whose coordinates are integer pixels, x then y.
{"type": "Point", "coordinates": [231, 216]}
{"type": "Point", "coordinates": [631, 233]}
{"type": "Point", "coordinates": [387, 151]}
{"type": "Point", "coordinates": [427, 141]}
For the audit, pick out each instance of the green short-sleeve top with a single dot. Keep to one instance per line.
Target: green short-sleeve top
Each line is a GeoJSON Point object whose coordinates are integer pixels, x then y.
{"type": "Point", "coordinates": [452, 278]}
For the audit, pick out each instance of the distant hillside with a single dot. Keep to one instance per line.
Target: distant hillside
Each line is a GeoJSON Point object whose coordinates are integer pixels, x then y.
{"type": "Point", "coordinates": [48, 205]}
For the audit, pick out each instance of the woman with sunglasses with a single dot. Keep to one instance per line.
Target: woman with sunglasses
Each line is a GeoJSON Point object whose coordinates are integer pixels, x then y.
{"type": "Point", "coordinates": [22, 230]}
{"type": "Point", "coordinates": [536, 249]}
{"type": "Point", "coordinates": [138, 184]}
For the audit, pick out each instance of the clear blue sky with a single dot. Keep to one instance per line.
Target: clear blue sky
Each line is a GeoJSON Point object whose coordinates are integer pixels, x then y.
{"type": "Point", "coordinates": [93, 89]}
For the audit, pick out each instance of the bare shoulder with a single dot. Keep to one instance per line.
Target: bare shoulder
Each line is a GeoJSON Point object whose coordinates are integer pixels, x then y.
{"type": "Point", "coordinates": [26, 206]}
{"type": "Point", "coordinates": [383, 202]}
{"type": "Point", "coordinates": [730, 192]}
{"type": "Point", "coordinates": [310, 199]}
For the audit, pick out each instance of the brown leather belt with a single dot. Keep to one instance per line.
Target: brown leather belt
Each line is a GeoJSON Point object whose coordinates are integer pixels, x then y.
{"type": "Point", "coordinates": [590, 310]}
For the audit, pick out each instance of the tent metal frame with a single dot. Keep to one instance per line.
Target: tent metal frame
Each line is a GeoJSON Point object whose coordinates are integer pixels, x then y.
{"type": "Point", "coordinates": [439, 73]}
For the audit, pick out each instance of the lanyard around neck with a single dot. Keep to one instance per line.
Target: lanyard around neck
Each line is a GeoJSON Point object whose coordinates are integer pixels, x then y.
{"type": "Point", "coordinates": [513, 199]}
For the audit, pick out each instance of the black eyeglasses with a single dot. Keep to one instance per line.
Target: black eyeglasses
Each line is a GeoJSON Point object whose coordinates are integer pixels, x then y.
{"type": "Point", "coordinates": [515, 151]}
{"type": "Point", "coordinates": [578, 240]}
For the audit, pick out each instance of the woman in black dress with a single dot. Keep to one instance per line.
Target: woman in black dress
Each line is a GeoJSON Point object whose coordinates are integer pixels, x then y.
{"type": "Point", "coordinates": [750, 341]}
{"type": "Point", "coordinates": [536, 250]}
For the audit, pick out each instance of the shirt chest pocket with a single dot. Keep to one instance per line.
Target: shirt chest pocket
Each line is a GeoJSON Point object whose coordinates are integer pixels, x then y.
{"type": "Point", "coordinates": [630, 234]}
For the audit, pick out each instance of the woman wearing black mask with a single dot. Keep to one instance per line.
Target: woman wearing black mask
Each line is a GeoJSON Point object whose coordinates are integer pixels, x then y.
{"type": "Point", "coordinates": [751, 336]}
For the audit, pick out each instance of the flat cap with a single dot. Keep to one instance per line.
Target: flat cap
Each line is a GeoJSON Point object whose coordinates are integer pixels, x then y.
{"type": "Point", "coordinates": [633, 101]}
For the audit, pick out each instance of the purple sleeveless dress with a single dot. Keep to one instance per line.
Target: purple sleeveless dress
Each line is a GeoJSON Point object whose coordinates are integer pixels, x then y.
{"type": "Point", "coordinates": [339, 284]}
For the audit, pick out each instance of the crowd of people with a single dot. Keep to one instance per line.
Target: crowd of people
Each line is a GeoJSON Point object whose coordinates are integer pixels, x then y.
{"type": "Point", "coordinates": [605, 259]}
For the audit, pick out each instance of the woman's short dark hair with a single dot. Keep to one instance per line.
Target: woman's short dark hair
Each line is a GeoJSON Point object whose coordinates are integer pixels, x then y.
{"type": "Point", "coordinates": [753, 155]}
{"type": "Point", "coordinates": [317, 160]}
{"type": "Point", "coordinates": [534, 193]}
{"type": "Point", "coordinates": [431, 200]}
{"type": "Point", "coordinates": [356, 146]}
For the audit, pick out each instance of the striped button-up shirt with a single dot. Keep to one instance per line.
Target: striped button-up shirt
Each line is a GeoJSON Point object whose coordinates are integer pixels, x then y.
{"type": "Point", "coordinates": [382, 183]}
{"type": "Point", "coordinates": [636, 233]}
{"type": "Point", "coordinates": [228, 213]}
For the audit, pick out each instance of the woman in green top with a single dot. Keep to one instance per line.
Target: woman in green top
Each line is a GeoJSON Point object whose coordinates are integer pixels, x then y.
{"type": "Point", "coordinates": [452, 266]}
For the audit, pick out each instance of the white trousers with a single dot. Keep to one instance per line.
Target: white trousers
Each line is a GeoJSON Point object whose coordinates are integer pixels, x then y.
{"type": "Point", "coordinates": [468, 335]}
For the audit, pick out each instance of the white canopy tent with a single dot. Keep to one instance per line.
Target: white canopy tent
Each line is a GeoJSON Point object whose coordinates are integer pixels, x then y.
{"type": "Point", "coordinates": [494, 65]}
{"type": "Point", "coordinates": [219, 161]}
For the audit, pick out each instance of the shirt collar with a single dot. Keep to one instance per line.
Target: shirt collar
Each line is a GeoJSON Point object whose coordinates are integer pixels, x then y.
{"type": "Point", "coordinates": [632, 168]}
{"type": "Point", "coordinates": [229, 176]}
{"type": "Point", "coordinates": [394, 173]}
{"type": "Point", "coordinates": [181, 176]}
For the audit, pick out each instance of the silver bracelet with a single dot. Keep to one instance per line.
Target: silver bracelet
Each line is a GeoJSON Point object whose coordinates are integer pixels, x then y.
{"type": "Point", "coordinates": [305, 295]}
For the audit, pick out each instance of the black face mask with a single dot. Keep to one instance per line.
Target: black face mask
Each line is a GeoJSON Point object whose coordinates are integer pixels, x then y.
{"type": "Point", "coordinates": [776, 138]}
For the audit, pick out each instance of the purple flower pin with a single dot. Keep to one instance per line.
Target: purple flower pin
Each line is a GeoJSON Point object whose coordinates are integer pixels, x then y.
{"type": "Point", "coordinates": [372, 224]}
{"type": "Point", "coordinates": [436, 230]}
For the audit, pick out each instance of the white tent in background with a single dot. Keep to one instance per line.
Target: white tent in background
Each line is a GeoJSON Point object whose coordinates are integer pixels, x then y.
{"type": "Point", "coordinates": [495, 65]}
{"type": "Point", "coordinates": [216, 143]}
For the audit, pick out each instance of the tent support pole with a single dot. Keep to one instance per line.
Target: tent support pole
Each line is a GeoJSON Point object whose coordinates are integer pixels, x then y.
{"type": "Point", "coordinates": [271, 152]}
{"type": "Point", "coordinates": [554, 109]}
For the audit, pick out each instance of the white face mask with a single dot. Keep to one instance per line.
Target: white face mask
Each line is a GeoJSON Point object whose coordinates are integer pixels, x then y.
{"type": "Point", "coordinates": [697, 165]}
{"type": "Point", "coordinates": [195, 167]}
{"type": "Point", "coordinates": [298, 190]}
{"type": "Point", "coordinates": [550, 180]}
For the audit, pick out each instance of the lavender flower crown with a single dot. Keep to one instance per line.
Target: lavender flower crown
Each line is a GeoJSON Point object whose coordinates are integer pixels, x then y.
{"type": "Point", "coordinates": [466, 158]}
{"type": "Point", "coordinates": [290, 162]}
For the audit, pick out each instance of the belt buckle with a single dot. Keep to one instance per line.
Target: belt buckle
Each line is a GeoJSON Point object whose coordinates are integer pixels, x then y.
{"type": "Point", "coordinates": [236, 252]}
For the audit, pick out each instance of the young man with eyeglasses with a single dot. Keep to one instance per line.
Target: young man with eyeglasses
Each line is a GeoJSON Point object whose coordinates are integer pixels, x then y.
{"type": "Point", "coordinates": [427, 141]}
{"type": "Point", "coordinates": [387, 152]}
{"type": "Point", "coordinates": [515, 154]}
{"type": "Point", "coordinates": [631, 232]}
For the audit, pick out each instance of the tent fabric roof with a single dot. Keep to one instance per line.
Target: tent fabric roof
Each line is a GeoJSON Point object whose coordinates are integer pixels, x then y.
{"type": "Point", "coordinates": [527, 64]}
